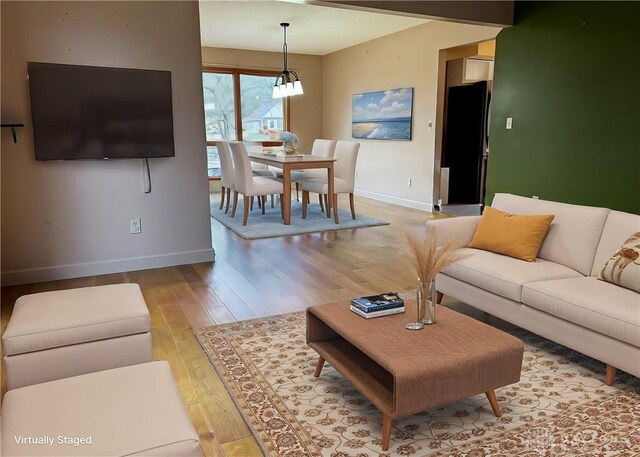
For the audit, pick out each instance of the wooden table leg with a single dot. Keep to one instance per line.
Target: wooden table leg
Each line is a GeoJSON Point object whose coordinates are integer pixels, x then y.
{"type": "Point", "coordinates": [330, 185]}
{"type": "Point", "coordinates": [286, 202]}
{"type": "Point", "coordinates": [387, 422]}
{"type": "Point", "coordinates": [611, 375]}
{"type": "Point", "coordinates": [319, 366]}
{"type": "Point", "coordinates": [491, 395]}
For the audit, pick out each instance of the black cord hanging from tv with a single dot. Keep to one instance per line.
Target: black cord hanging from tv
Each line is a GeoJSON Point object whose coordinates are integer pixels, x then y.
{"type": "Point", "coordinates": [148, 188]}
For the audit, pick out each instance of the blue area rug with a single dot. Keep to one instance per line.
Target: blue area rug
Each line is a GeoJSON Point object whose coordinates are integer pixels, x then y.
{"type": "Point", "coordinates": [271, 225]}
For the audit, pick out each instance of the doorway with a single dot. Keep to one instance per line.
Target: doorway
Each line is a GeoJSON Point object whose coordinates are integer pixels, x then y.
{"type": "Point", "coordinates": [464, 147]}
{"type": "Point", "coordinates": [464, 101]}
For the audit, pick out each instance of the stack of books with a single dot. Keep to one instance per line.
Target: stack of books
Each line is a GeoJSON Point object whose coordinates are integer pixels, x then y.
{"type": "Point", "coordinates": [378, 305]}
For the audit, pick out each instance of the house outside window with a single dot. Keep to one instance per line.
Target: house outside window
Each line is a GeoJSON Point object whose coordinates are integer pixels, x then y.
{"type": "Point", "coordinates": [265, 122]}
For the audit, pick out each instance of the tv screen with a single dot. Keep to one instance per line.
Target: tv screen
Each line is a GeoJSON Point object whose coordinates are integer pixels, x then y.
{"type": "Point", "coordinates": [81, 112]}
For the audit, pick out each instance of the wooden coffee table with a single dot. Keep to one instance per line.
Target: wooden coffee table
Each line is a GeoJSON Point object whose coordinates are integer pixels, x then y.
{"type": "Point", "coordinates": [405, 372]}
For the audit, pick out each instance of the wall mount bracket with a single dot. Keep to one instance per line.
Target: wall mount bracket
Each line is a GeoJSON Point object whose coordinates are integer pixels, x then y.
{"type": "Point", "coordinates": [13, 130]}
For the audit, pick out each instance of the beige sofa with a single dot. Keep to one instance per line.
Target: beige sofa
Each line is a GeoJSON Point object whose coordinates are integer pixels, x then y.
{"type": "Point", "coordinates": [558, 296]}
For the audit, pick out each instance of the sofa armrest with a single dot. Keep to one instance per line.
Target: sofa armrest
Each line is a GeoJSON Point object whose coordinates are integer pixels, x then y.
{"type": "Point", "coordinates": [462, 228]}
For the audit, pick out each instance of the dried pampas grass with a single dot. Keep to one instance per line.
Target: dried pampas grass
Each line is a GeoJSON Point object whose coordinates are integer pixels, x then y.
{"type": "Point", "coordinates": [430, 259]}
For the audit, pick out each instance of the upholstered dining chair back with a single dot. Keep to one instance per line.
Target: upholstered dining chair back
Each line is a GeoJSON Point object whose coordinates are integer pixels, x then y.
{"type": "Point", "coordinates": [259, 169]}
{"type": "Point", "coordinates": [252, 146]}
{"type": "Point", "coordinates": [346, 157]}
{"type": "Point", "coordinates": [227, 177]}
{"type": "Point", "coordinates": [323, 148]}
{"type": "Point", "coordinates": [242, 166]}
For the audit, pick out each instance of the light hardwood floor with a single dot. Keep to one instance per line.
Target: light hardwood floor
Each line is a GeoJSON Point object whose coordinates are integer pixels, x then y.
{"type": "Point", "coordinates": [252, 279]}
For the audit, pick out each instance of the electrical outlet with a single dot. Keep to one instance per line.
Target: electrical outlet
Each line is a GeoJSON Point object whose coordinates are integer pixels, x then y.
{"type": "Point", "coordinates": [535, 197]}
{"type": "Point", "coordinates": [509, 123]}
{"type": "Point", "coordinates": [135, 226]}
{"type": "Point", "coordinates": [409, 182]}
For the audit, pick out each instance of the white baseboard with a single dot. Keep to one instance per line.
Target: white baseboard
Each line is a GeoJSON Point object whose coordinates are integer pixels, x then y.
{"type": "Point", "coordinates": [78, 270]}
{"type": "Point", "coordinates": [395, 200]}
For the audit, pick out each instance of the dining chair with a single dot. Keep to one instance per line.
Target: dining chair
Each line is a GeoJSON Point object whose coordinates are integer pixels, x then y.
{"type": "Point", "coordinates": [258, 169]}
{"type": "Point", "coordinates": [226, 173]}
{"type": "Point", "coordinates": [320, 148]}
{"type": "Point", "coordinates": [346, 155]}
{"type": "Point", "coordinates": [248, 185]}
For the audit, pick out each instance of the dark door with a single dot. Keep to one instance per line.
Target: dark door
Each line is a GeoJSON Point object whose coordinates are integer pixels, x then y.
{"type": "Point", "coordinates": [465, 142]}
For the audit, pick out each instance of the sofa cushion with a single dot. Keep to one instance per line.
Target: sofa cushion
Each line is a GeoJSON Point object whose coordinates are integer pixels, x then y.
{"type": "Point", "coordinates": [616, 230]}
{"type": "Point", "coordinates": [623, 268]}
{"type": "Point", "coordinates": [594, 304]}
{"type": "Point", "coordinates": [574, 234]}
{"type": "Point", "coordinates": [515, 235]}
{"type": "Point", "coordinates": [504, 275]}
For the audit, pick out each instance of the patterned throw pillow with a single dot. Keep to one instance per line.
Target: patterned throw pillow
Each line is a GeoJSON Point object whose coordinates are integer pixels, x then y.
{"type": "Point", "coordinates": [623, 268]}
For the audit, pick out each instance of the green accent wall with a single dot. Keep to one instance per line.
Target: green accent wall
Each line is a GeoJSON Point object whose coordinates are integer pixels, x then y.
{"type": "Point", "coordinates": [568, 73]}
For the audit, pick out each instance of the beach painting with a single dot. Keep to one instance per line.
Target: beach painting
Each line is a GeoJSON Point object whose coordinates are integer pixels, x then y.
{"type": "Point", "coordinates": [382, 115]}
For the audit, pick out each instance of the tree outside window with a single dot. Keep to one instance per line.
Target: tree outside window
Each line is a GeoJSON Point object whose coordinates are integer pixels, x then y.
{"type": "Point", "coordinates": [219, 107]}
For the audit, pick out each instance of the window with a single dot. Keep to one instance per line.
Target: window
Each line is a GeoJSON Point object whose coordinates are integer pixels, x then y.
{"type": "Point", "coordinates": [213, 162]}
{"type": "Point", "coordinates": [261, 114]}
{"type": "Point", "coordinates": [219, 107]}
{"type": "Point", "coordinates": [238, 106]}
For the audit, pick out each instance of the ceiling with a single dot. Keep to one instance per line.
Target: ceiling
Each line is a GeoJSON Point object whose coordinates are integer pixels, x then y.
{"type": "Point", "coordinates": [314, 29]}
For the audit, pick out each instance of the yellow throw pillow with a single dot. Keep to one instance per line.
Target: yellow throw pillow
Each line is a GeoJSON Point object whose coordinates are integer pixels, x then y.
{"type": "Point", "coordinates": [515, 235]}
{"type": "Point", "coordinates": [623, 268]}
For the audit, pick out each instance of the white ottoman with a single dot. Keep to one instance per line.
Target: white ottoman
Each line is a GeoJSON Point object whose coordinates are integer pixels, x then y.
{"type": "Point", "coordinates": [134, 410]}
{"type": "Point", "coordinates": [54, 335]}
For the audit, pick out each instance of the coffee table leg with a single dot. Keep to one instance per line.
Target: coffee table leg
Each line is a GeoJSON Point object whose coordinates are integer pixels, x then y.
{"type": "Point", "coordinates": [491, 395]}
{"type": "Point", "coordinates": [319, 366]}
{"type": "Point", "coordinates": [387, 422]}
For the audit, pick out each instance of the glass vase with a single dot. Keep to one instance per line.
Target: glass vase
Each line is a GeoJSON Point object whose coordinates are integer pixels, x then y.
{"type": "Point", "coordinates": [425, 305]}
{"type": "Point", "coordinates": [429, 296]}
{"type": "Point", "coordinates": [290, 146]}
{"type": "Point", "coordinates": [420, 310]}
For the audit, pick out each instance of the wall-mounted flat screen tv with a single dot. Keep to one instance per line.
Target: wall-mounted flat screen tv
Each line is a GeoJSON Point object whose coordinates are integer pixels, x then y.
{"type": "Point", "coordinates": [82, 112]}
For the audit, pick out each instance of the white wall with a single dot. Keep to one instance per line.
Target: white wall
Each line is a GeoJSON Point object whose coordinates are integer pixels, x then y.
{"type": "Point", "coordinates": [68, 219]}
{"type": "Point", "coordinates": [405, 59]}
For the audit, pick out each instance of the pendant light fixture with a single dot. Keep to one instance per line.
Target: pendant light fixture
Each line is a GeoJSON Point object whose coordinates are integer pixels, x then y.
{"type": "Point", "coordinates": [287, 82]}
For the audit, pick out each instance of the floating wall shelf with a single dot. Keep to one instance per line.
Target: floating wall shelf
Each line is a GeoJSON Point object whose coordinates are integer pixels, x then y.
{"type": "Point", "coordinates": [13, 129]}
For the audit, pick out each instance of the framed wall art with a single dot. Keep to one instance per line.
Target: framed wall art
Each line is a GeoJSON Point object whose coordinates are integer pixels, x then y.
{"type": "Point", "coordinates": [382, 115]}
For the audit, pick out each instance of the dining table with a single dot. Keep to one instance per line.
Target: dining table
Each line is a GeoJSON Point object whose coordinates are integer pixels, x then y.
{"type": "Point", "coordinates": [289, 162]}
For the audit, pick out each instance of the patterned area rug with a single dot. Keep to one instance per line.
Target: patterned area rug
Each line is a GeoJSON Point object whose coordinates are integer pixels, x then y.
{"type": "Point", "coordinates": [270, 224]}
{"type": "Point", "coordinates": [560, 407]}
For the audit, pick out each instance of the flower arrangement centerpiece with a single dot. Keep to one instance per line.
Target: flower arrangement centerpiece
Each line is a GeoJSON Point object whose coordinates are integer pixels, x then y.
{"type": "Point", "coordinates": [289, 141]}
{"type": "Point", "coordinates": [429, 259]}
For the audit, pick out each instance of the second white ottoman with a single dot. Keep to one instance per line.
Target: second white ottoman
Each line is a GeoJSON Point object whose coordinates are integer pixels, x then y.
{"type": "Point", "coordinates": [59, 334]}
{"type": "Point", "coordinates": [126, 411]}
